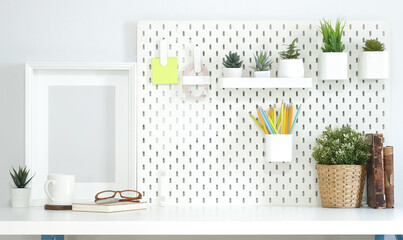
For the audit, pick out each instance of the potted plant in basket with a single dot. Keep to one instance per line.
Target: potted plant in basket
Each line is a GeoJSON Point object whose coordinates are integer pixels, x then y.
{"type": "Point", "coordinates": [262, 65]}
{"type": "Point", "coordinates": [341, 155]}
{"type": "Point", "coordinates": [333, 61]}
{"type": "Point", "coordinates": [232, 65]}
{"type": "Point", "coordinates": [374, 60]}
{"type": "Point", "coordinates": [20, 195]}
{"type": "Point", "coordinates": [290, 66]}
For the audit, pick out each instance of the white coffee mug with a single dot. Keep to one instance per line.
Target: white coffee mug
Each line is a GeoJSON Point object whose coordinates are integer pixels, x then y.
{"type": "Point", "coordinates": [60, 189]}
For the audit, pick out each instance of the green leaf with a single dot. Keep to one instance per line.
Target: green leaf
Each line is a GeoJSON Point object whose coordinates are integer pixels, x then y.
{"type": "Point", "coordinates": [20, 177]}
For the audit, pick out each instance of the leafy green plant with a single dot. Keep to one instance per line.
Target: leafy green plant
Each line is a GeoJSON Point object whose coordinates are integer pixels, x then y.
{"type": "Point", "coordinates": [373, 45]}
{"type": "Point", "coordinates": [20, 177]}
{"type": "Point", "coordinates": [332, 36]}
{"type": "Point", "coordinates": [232, 60]}
{"type": "Point", "coordinates": [262, 62]}
{"type": "Point", "coordinates": [341, 146]}
{"type": "Point", "coordinates": [292, 51]}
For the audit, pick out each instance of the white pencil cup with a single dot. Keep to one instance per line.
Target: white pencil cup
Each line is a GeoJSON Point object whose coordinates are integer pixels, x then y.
{"type": "Point", "coordinates": [278, 147]}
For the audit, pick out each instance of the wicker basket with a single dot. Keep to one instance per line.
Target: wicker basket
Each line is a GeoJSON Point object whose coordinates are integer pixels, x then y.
{"type": "Point", "coordinates": [341, 186]}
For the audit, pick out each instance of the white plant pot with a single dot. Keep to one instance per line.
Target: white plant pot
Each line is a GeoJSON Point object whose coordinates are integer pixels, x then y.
{"type": "Point", "coordinates": [261, 74]}
{"type": "Point", "coordinates": [333, 66]}
{"type": "Point", "coordinates": [20, 197]}
{"type": "Point", "coordinates": [278, 147]}
{"type": "Point", "coordinates": [232, 72]}
{"type": "Point", "coordinates": [291, 68]}
{"type": "Point", "coordinates": [374, 65]}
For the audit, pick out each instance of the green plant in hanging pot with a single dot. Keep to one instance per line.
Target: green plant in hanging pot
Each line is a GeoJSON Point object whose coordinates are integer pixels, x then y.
{"type": "Point", "coordinates": [262, 65]}
{"type": "Point", "coordinates": [232, 65]}
{"type": "Point", "coordinates": [333, 61]}
{"type": "Point", "coordinates": [374, 62]}
{"type": "Point", "coordinates": [290, 66]}
{"type": "Point", "coordinates": [20, 195]}
{"type": "Point", "coordinates": [341, 155]}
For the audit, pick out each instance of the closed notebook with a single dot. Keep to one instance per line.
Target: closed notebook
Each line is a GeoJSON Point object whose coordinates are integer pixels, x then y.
{"type": "Point", "coordinates": [109, 207]}
{"type": "Point", "coordinates": [167, 74]}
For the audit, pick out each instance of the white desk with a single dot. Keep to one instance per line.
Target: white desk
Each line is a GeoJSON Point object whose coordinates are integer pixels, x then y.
{"type": "Point", "coordinates": [235, 220]}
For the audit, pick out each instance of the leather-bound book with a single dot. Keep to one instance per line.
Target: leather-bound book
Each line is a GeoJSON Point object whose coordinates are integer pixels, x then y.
{"type": "Point", "coordinates": [375, 173]}
{"type": "Point", "coordinates": [388, 174]}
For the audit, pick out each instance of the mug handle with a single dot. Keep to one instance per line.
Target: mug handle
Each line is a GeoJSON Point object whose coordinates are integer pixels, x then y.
{"type": "Point", "coordinates": [47, 189]}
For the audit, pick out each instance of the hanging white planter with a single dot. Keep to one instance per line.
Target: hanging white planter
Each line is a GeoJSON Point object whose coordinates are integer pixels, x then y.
{"type": "Point", "coordinates": [261, 74]}
{"type": "Point", "coordinates": [232, 72]}
{"type": "Point", "coordinates": [333, 66]}
{"type": "Point", "coordinates": [291, 68]}
{"type": "Point", "coordinates": [20, 197]}
{"type": "Point", "coordinates": [374, 65]}
{"type": "Point", "coordinates": [278, 147]}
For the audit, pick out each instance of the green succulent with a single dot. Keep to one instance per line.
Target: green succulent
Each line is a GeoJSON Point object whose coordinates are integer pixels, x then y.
{"type": "Point", "coordinates": [373, 45]}
{"type": "Point", "coordinates": [20, 177]}
{"type": "Point", "coordinates": [292, 51]}
{"type": "Point", "coordinates": [232, 60]}
{"type": "Point", "coordinates": [341, 146]}
{"type": "Point", "coordinates": [332, 36]}
{"type": "Point", "coordinates": [262, 62]}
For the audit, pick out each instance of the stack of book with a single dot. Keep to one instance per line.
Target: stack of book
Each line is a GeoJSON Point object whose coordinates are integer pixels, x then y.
{"type": "Point", "coordinates": [380, 186]}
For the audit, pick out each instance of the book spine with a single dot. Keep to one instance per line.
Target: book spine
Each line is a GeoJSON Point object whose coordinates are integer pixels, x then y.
{"type": "Point", "coordinates": [375, 173]}
{"type": "Point", "coordinates": [388, 174]}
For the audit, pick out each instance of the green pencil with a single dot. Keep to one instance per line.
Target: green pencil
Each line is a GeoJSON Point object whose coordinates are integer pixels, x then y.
{"type": "Point", "coordinates": [256, 121]}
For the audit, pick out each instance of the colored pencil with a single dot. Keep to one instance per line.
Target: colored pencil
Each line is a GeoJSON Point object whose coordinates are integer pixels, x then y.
{"type": "Point", "coordinates": [279, 119]}
{"type": "Point", "coordinates": [273, 126]}
{"type": "Point", "coordinates": [256, 121]}
{"type": "Point", "coordinates": [261, 120]}
{"type": "Point", "coordinates": [266, 120]}
{"type": "Point", "coordinates": [290, 119]}
{"type": "Point", "coordinates": [270, 113]}
{"type": "Point", "coordinates": [296, 117]}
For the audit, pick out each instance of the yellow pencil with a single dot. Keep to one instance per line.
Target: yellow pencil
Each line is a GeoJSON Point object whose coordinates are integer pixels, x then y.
{"type": "Point", "coordinates": [279, 120]}
{"type": "Point", "coordinates": [270, 113]}
{"type": "Point", "coordinates": [273, 126]}
{"type": "Point", "coordinates": [274, 113]}
{"type": "Point", "coordinates": [282, 119]}
{"type": "Point", "coordinates": [261, 119]}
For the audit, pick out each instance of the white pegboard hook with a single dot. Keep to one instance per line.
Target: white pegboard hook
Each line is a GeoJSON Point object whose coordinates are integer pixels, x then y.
{"type": "Point", "coordinates": [197, 59]}
{"type": "Point", "coordinates": [163, 52]}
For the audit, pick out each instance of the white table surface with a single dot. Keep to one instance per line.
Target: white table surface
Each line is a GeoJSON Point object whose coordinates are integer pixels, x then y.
{"type": "Point", "coordinates": [220, 220]}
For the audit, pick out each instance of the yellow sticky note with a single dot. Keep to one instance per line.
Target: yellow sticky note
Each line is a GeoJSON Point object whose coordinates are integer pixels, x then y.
{"type": "Point", "coordinates": [167, 74]}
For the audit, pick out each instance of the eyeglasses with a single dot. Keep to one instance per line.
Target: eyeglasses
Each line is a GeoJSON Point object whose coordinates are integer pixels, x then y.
{"type": "Point", "coordinates": [126, 195]}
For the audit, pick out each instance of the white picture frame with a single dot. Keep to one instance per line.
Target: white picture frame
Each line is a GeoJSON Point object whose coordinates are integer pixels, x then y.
{"type": "Point", "coordinates": [40, 80]}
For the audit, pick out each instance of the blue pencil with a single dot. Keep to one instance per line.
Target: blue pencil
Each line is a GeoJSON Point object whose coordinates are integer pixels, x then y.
{"type": "Point", "coordinates": [295, 119]}
{"type": "Point", "coordinates": [266, 120]}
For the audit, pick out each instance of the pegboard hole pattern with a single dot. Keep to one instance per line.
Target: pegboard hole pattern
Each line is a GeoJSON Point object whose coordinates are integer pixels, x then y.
{"type": "Point", "coordinates": [211, 151]}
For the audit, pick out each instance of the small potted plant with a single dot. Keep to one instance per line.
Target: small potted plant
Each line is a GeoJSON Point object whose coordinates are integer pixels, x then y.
{"type": "Point", "coordinates": [341, 155]}
{"type": "Point", "coordinates": [374, 60]}
{"type": "Point", "coordinates": [262, 65]}
{"type": "Point", "coordinates": [290, 66]}
{"type": "Point", "coordinates": [232, 65]}
{"type": "Point", "coordinates": [20, 195]}
{"type": "Point", "coordinates": [333, 61]}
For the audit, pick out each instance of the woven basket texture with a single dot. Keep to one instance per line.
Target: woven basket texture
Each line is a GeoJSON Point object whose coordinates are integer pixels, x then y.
{"type": "Point", "coordinates": [341, 186]}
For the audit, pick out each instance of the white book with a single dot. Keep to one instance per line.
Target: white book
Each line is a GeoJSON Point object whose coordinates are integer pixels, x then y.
{"type": "Point", "coordinates": [109, 207]}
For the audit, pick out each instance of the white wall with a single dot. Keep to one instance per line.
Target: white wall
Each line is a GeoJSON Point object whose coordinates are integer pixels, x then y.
{"type": "Point", "coordinates": [105, 30]}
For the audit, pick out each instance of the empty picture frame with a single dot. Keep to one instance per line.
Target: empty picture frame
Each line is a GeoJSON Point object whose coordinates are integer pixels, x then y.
{"type": "Point", "coordinates": [80, 120]}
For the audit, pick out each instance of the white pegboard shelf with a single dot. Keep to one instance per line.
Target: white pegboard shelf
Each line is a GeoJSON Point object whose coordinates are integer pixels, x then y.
{"type": "Point", "coordinates": [210, 149]}
{"type": "Point", "coordinates": [197, 220]}
{"type": "Point", "coordinates": [251, 82]}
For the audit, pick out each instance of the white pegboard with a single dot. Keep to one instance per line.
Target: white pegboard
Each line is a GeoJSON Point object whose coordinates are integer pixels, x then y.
{"type": "Point", "coordinates": [210, 149]}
